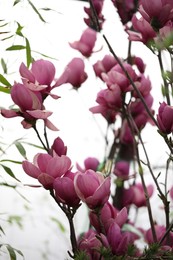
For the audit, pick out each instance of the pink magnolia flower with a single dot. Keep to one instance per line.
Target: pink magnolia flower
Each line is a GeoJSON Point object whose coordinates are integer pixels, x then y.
{"type": "Point", "coordinates": [117, 77]}
{"type": "Point", "coordinates": [121, 169]}
{"type": "Point", "coordinates": [160, 231]}
{"type": "Point", "coordinates": [92, 188]}
{"type": "Point", "coordinates": [139, 63]}
{"type": "Point", "coordinates": [139, 198]}
{"type": "Point", "coordinates": [30, 105]}
{"type": "Point", "coordinates": [86, 43]}
{"type": "Point", "coordinates": [74, 74]}
{"type": "Point", "coordinates": [126, 9]}
{"type": "Point", "coordinates": [58, 147]}
{"type": "Point", "coordinates": [104, 65]}
{"type": "Point", "coordinates": [46, 168]}
{"type": "Point", "coordinates": [42, 72]}
{"type": "Point", "coordinates": [98, 5]}
{"type": "Point", "coordinates": [39, 78]}
{"type": "Point", "coordinates": [90, 244]}
{"type": "Point", "coordinates": [108, 113]}
{"type": "Point", "coordinates": [65, 191]}
{"type": "Point", "coordinates": [89, 163]}
{"type": "Point", "coordinates": [108, 214]}
{"type": "Point", "coordinates": [144, 86]}
{"type": "Point", "coordinates": [118, 240]}
{"type": "Point", "coordinates": [110, 101]}
{"type": "Point", "coordinates": [165, 118]}
{"type": "Point", "coordinates": [142, 31]}
{"type": "Point", "coordinates": [157, 14]}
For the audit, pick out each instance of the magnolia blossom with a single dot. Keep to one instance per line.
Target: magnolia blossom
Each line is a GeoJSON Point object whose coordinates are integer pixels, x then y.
{"type": "Point", "coordinates": [98, 5]}
{"type": "Point", "coordinates": [104, 65]}
{"type": "Point", "coordinates": [46, 168]}
{"type": "Point", "coordinates": [121, 169]}
{"type": "Point", "coordinates": [90, 244]}
{"type": "Point", "coordinates": [74, 74]}
{"type": "Point", "coordinates": [139, 198]}
{"type": "Point", "coordinates": [89, 163]}
{"type": "Point", "coordinates": [86, 43]}
{"type": "Point", "coordinates": [165, 118]}
{"type": "Point", "coordinates": [30, 105]}
{"type": "Point", "coordinates": [108, 214]}
{"type": "Point", "coordinates": [142, 31]}
{"type": "Point", "coordinates": [160, 231]}
{"type": "Point", "coordinates": [126, 9]}
{"type": "Point", "coordinates": [58, 147]}
{"type": "Point", "coordinates": [157, 14]}
{"type": "Point", "coordinates": [118, 240]}
{"type": "Point", "coordinates": [65, 191]}
{"type": "Point", "coordinates": [117, 77]}
{"type": "Point", "coordinates": [92, 188]}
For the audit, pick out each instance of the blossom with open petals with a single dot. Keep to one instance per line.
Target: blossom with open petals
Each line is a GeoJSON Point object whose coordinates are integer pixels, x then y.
{"type": "Point", "coordinates": [92, 188]}
{"type": "Point", "coordinates": [86, 43]}
{"type": "Point", "coordinates": [46, 168]}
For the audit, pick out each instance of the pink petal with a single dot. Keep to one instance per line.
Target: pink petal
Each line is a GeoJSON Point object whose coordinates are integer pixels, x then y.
{"type": "Point", "coordinates": [51, 126]}
{"type": "Point", "coordinates": [44, 71]}
{"type": "Point", "coordinates": [58, 166]}
{"type": "Point", "coordinates": [26, 73]}
{"type": "Point", "coordinates": [39, 114]}
{"type": "Point", "coordinates": [9, 113]}
{"type": "Point", "coordinates": [31, 169]}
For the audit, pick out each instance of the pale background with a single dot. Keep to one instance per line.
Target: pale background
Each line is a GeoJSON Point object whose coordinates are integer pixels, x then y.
{"type": "Point", "coordinates": [39, 236]}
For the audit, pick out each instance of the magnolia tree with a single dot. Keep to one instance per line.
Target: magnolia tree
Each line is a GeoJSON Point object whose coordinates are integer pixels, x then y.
{"type": "Point", "coordinates": [114, 186]}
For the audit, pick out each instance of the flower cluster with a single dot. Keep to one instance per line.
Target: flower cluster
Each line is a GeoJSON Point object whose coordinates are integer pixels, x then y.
{"type": "Point", "coordinates": [113, 186]}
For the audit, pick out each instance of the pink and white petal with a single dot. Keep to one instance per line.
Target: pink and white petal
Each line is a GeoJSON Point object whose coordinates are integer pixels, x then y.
{"type": "Point", "coordinates": [58, 166]}
{"type": "Point", "coordinates": [9, 113]}
{"type": "Point", "coordinates": [42, 160]}
{"type": "Point", "coordinates": [31, 169]}
{"type": "Point", "coordinates": [46, 180]}
{"type": "Point", "coordinates": [44, 71]}
{"type": "Point", "coordinates": [26, 73]}
{"type": "Point", "coordinates": [39, 114]}
{"type": "Point", "coordinates": [32, 86]}
{"type": "Point", "coordinates": [49, 125]}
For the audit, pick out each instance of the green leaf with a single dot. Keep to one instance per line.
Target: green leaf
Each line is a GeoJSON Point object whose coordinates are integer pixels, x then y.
{"type": "Point", "coordinates": [60, 225]}
{"type": "Point", "coordinates": [11, 252]}
{"type": "Point", "coordinates": [4, 81]}
{"type": "Point", "coordinates": [35, 10]}
{"type": "Point", "coordinates": [12, 161]}
{"type": "Point", "coordinates": [9, 171]}
{"type": "Point", "coordinates": [34, 145]}
{"type": "Point", "coordinates": [5, 90]}
{"type": "Point", "coordinates": [6, 38]}
{"type": "Point", "coordinates": [16, 2]}
{"type": "Point", "coordinates": [1, 229]}
{"type": "Point", "coordinates": [44, 55]}
{"type": "Point", "coordinates": [16, 48]}
{"type": "Point", "coordinates": [19, 30]}
{"type": "Point", "coordinates": [21, 149]}
{"type": "Point", "coordinates": [3, 25]}
{"type": "Point", "coordinates": [15, 219]}
{"type": "Point", "coordinates": [4, 66]}
{"type": "Point", "coordinates": [28, 53]}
